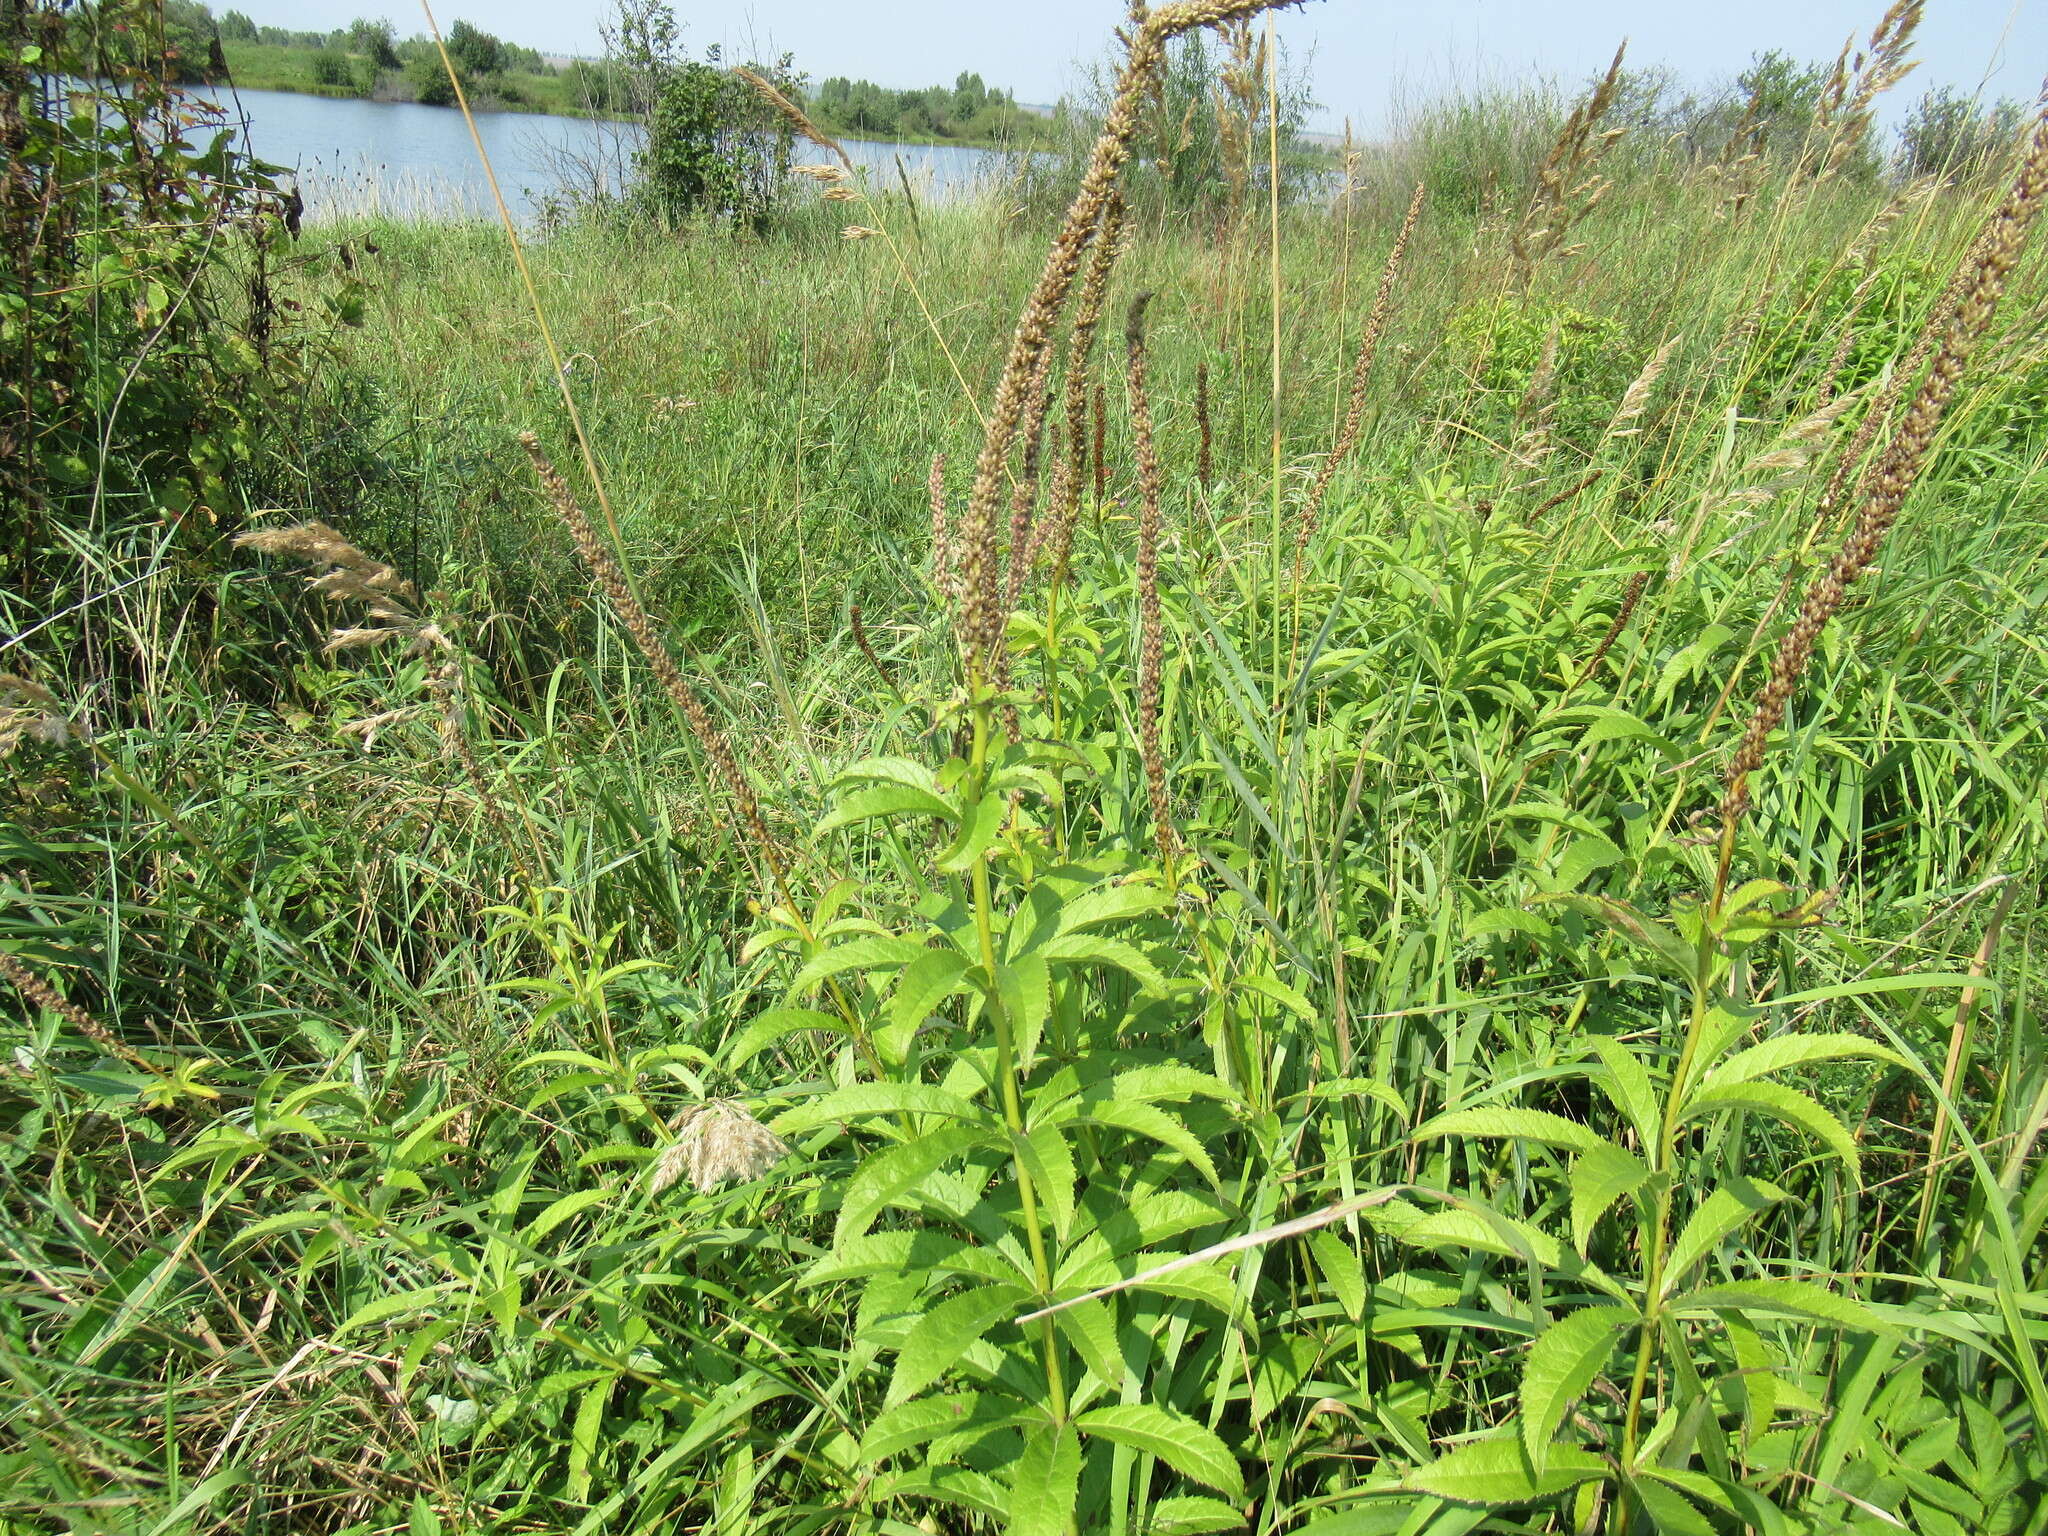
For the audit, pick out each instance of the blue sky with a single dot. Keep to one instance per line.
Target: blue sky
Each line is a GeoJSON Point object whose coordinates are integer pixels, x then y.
{"type": "Point", "coordinates": [1366, 52]}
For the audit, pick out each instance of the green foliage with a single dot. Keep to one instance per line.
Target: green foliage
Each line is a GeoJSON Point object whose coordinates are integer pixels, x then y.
{"type": "Point", "coordinates": [137, 296]}
{"type": "Point", "coordinates": [1950, 134]}
{"type": "Point", "coordinates": [1431, 1141]}
{"type": "Point", "coordinates": [1529, 357]}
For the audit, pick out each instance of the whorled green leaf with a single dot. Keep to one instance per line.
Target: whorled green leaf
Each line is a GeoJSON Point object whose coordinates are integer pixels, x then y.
{"type": "Point", "coordinates": [1727, 1209]}
{"type": "Point", "coordinates": [1497, 1472]}
{"type": "Point", "coordinates": [1189, 1515]}
{"type": "Point", "coordinates": [885, 1175]}
{"type": "Point", "coordinates": [1190, 1448]}
{"type": "Point", "coordinates": [1046, 1483]}
{"type": "Point", "coordinates": [861, 1101]}
{"type": "Point", "coordinates": [775, 1025]}
{"type": "Point", "coordinates": [1559, 1370]}
{"type": "Point", "coordinates": [942, 1336]}
{"type": "Point", "coordinates": [1537, 1125]}
{"type": "Point", "coordinates": [1787, 1104]}
{"type": "Point", "coordinates": [1598, 1179]}
{"type": "Point", "coordinates": [1781, 1052]}
{"type": "Point", "coordinates": [885, 802]}
{"type": "Point", "coordinates": [1799, 1299]}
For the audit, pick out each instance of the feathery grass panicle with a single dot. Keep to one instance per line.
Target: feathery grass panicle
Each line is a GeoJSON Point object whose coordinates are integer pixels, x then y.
{"type": "Point", "coordinates": [605, 567]}
{"type": "Point", "coordinates": [798, 120]}
{"type": "Point", "coordinates": [1152, 640]}
{"type": "Point", "coordinates": [343, 573]}
{"type": "Point", "coordinates": [30, 712]}
{"type": "Point", "coordinates": [1146, 38]}
{"type": "Point", "coordinates": [1568, 185]}
{"type": "Point", "coordinates": [1885, 486]}
{"type": "Point", "coordinates": [1636, 398]}
{"type": "Point", "coordinates": [1361, 375]}
{"type": "Point", "coordinates": [1883, 65]}
{"type": "Point", "coordinates": [716, 1142]}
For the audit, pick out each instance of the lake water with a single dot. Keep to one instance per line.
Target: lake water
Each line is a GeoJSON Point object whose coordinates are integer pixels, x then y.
{"type": "Point", "coordinates": [398, 158]}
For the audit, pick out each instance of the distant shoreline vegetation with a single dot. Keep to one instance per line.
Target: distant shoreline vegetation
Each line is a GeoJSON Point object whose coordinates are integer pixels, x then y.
{"type": "Point", "coordinates": [368, 61]}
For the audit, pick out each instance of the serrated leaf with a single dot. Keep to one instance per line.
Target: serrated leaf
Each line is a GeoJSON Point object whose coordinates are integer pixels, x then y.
{"type": "Point", "coordinates": [1090, 1326]}
{"type": "Point", "coordinates": [1046, 1483]}
{"type": "Point", "coordinates": [1188, 1447]}
{"type": "Point", "coordinates": [909, 1425]}
{"type": "Point", "coordinates": [885, 1176]}
{"type": "Point", "coordinates": [1187, 1515]}
{"type": "Point", "coordinates": [1598, 1179]}
{"type": "Point", "coordinates": [1496, 1472]}
{"type": "Point", "coordinates": [943, 1335]}
{"type": "Point", "coordinates": [1537, 1125]}
{"type": "Point", "coordinates": [1559, 1370]}
{"type": "Point", "coordinates": [1149, 1120]}
{"type": "Point", "coordinates": [869, 952]}
{"type": "Point", "coordinates": [1626, 1081]}
{"type": "Point", "coordinates": [1781, 1298]}
{"type": "Point", "coordinates": [1794, 1050]}
{"type": "Point", "coordinates": [775, 1025]}
{"type": "Point", "coordinates": [1045, 1155]}
{"type": "Point", "coordinates": [1731, 1206]}
{"type": "Point", "coordinates": [1645, 934]}
{"type": "Point", "coordinates": [899, 1252]}
{"type": "Point", "coordinates": [884, 802]}
{"type": "Point", "coordinates": [1669, 1510]}
{"type": "Point", "coordinates": [980, 826]}
{"type": "Point", "coordinates": [1781, 1103]}
{"type": "Point", "coordinates": [863, 1100]}
{"type": "Point", "coordinates": [1095, 949]}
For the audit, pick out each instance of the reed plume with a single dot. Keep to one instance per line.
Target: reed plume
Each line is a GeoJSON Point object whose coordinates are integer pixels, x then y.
{"type": "Point", "coordinates": [1146, 38]}
{"type": "Point", "coordinates": [1884, 487]}
{"type": "Point", "coordinates": [1849, 106]}
{"type": "Point", "coordinates": [1361, 374]}
{"type": "Point", "coordinates": [612, 577]}
{"type": "Point", "coordinates": [30, 712]}
{"type": "Point", "coordinates": [716, 1142]}
{"type": "Point", "coordinates": [1151, 629]}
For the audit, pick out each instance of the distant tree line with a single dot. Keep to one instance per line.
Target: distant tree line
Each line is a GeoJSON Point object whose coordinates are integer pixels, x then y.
{"type": "Point", "coordinates": [966, 109]}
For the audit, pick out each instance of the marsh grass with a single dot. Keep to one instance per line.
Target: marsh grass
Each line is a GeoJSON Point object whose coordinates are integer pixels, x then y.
{"type": "Point", "coordinates": [1167, 1086]}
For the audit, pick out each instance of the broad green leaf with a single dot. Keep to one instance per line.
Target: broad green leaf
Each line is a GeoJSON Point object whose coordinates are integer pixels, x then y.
{"type": "Point", "coordinates": [1187, 1515]}
{"type": "Point", "coordinates": [1782, 1103]}
{"type": "Point", "coordinates": [1598, 1179]}
{"type": "Point", "coordinates": [1793, 1050]}
{"type": "Point", "coordinates": [1649, 937]}
{"type": "Point", "coordinates": [775, 1025]}
{"type": "Point", "coordinates": [862, 1100]}
{"type": "Point", "coordinates": [1496, 1472]}
{"type": "Point", "coordinates": [909, 1425]}
{"type": "Point", "coordinates": [1559, 1370]}
{"type": "Point", "coordinates": [869, 952]}
{"type": "Point", "coordinates": [897, 1252]}
{"type": "Point", "coordinates": [1094, 949]}
{"type": "Point", "coordinates": [894, 1171]}
{"type": "Point", "coordinates": [1670, 1512]}
{"type": "Point", "coordinates": [884, 802]}
{"type": "Point", "coordinates": [1781, 1298]}
{"type": "Point", "coordinates": [942, 1336]}
{"type": "Point", "coordinates": [1046, 1483]}
{"type": "Point", "coordinates": [1728, 1208]}
{"type": "Point", "coordinates": [1508, 920]}
{"type": "Point", "coordinates": [1169, 1080]}
{"type": "Point", "coordinates": [1146, 1120]}
{"type": "Point", "coordinates": [1090, 1326]}
{"type": "Point", "coordinates": [1045, 1154]}
{"type": "Point", "coordinates": [399, 1304]}
{"type": "Point", "coordinates": [1342, 1269]}
{"type": "Point", "coordinates": [1626, 1081]}
{"type": "Point", "coordinates": [1537, 1125]}
{"type": "Point", "coordinates": [1756, 1375]}
{"type": "Point", "coordinates": [1183, 1444]}
{"type": "Point", "coordinates": [1112, 902]}
{"type": "Point", "coordinates": [981, 825]}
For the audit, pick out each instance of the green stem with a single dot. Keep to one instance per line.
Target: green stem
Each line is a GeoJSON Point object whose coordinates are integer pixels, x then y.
{"type": "Point", "coordinates": [1006, 1071]}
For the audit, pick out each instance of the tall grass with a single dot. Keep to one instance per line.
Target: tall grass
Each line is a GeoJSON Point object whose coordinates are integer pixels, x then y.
{"type": "Point", "coordinates": [1168, 1081]}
